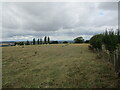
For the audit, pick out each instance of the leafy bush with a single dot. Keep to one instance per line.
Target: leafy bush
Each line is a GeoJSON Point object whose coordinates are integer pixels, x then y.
{"type": "Point", "coordinates": [110, 40]}
{"type": "Point", "coordinates": [96, 41]}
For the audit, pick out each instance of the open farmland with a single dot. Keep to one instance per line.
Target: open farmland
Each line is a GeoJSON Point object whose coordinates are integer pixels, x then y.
{"type": "Point", "coordinates": [55, 66]}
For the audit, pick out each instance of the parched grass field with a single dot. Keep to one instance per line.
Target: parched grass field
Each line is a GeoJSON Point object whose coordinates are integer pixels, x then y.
{"type": "Point", "coordinates": [55, 66]}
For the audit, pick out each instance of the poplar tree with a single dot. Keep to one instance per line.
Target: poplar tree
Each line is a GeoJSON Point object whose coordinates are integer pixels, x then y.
{"type": "Point", "coordinates": [45, 40]}
{"type": "Point", "coordinates": [118, 35]}
{"type": "Point", "coordinates": [110, 40]}
{"type": "Point", "coordinates": [27, 43]}
{"type": "Point", "coordinates": [48, 40]}
{"type": "Point", "coordinates": [38, 42]}
{"type": "Point", "coordinates": [34, 41]}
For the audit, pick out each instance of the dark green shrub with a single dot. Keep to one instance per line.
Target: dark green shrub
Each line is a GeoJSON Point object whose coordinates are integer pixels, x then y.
{"type": "Point", "coordinates": [110, 40]}
{"type": "Point", "coordinates": [87, 41]}
{"type": "Point", "coordinates": [54, 42]}
{"type": "Point", "coordinates": [27, 43]}
{"type": "Point", "coordinates": [65, 42]}
{"type": "Point", "coordinates": [48, 40]}
{"type": "Point", "coordinates": [118, 36]}
{"type": "Point", "coordinates": [96, 41]}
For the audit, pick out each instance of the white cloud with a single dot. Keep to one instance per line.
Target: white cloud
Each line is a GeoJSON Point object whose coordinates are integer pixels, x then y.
{"type": "Point", "coordinates": [59, 20]}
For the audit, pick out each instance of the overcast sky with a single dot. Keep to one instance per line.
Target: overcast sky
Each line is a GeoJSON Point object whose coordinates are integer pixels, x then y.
{"type": "Point", "coordinates": [59, 20]}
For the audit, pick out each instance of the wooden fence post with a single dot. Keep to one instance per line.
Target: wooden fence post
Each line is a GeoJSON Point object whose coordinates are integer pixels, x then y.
{"type": "Point", "coordinates": [116, 61]}
{"type": "Point", "coordinates": [118, 56]}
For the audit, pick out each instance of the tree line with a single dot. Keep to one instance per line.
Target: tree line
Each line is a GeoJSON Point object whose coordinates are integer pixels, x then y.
{"type": "Point", "coordinates": [108, 43]}
{"type": "Point", "coordinates": [36, 41]}
{"type": "Point", "coordinates": [39, 41]}
{"type": "Point", "coordinates": [47, 40]}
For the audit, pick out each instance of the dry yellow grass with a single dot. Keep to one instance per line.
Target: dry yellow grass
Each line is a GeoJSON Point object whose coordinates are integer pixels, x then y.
{"type": "Point", "coordinates": [55, 66]}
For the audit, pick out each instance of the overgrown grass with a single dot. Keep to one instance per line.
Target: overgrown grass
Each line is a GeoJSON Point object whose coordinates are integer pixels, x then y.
{"type": "Point", "coordinates": [55, 66]}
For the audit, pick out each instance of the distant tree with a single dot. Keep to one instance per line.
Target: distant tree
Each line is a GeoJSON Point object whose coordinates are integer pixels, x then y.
{"type": "Point", "coordinates": [79, 40]}
{"type": "Point", "coordinates": [21, 43]}
{"type": "Point", "coordinates": [48, 40]}
{"type": "Point", "coordinates": [15, 43]}
{"type": "Point", "coordinates": [38, 42]}
{"type": "Point", "coordinates": [45, 40]}
{"type": "Point", "coordinates": [34, 41]}
{"type": "Point", "coordinates": [87, 41]}
{"type": "Point", "coordinates": [65, 41]}
{"type": "Point", "coordinates": [27, 43]}
{"type": "Point", "coordinates": [54, 42]}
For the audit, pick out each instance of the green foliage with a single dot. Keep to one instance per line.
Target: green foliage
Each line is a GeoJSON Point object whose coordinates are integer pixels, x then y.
{"type": "Point", "coordinates": [48, 40]}
{"type": "Point", "coordinates": [87, 41]}
{"type": "Point", "coordinates": [45, 40]}
{"type": "Point", "coordinates": [21, 43]}
{"type": "Point", "coordinates": [65, 41]}
{"type": "Point", "coordinates": [34, 41]}
{"type": "Point", "coordinates": [38, 42]}
{"type": "Point", "coordinates": [79, 40]}
{"type": "Point", "coordinates": [54, 42]}
{"type": "Point", "coordinates": [15, 43]}
{"type": "Point", "coordinates": [27, 43]}
{"type": "Point", "coordinates": [110, 40]}
{"type": "Point", "coordinates": [96, 41]}
{"type": "Point", "coordinates": [118, 35]}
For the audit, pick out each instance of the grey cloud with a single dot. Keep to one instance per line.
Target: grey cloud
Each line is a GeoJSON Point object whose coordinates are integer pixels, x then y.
{"type": "Point", "coordinates": [108, 5]}
{"type": "Point", "coordinates": [57, 19]}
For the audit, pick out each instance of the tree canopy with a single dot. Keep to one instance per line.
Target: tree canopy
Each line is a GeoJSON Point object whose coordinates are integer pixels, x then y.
{"type": "Point", "coordinates": [96, 41]}
{"type": "Point", "coordinates": [79, 40]}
